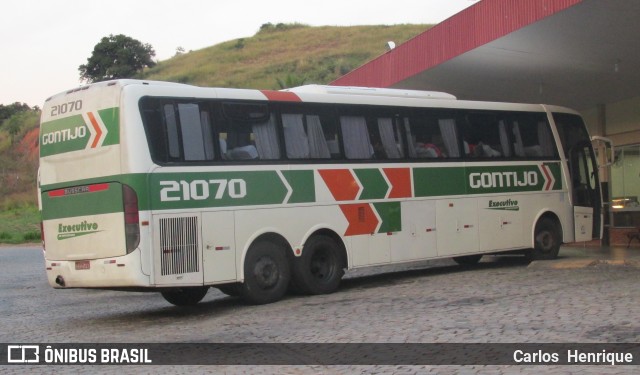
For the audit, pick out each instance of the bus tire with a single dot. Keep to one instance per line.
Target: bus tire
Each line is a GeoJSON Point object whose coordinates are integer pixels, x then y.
{"type": "Point", "coordinates": [320, 268]}
{"type": "Point", "coordinates": [266, 273]}
{"type": "Point", "coordinates": [547, 239]}
{"type": "Point", "coordinates": [468, 260]}
{"type": "Point", "coordinates": [185, 296]}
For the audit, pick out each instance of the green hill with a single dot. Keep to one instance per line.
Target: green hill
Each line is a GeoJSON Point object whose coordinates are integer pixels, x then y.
{"type": "Point", "coordinates": [282, 55]}
{"type": "Point", "coordinates": [278, 56]}
{"type": "Point", "coordinates": [19, 218]}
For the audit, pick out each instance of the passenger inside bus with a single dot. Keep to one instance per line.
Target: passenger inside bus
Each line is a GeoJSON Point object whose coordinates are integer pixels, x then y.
{"type": "Point", "coordinates": [241, 147]}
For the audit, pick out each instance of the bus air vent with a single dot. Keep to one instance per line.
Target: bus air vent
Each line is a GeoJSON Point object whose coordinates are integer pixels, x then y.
{"type": "Point", "coordinates": [179, 245]}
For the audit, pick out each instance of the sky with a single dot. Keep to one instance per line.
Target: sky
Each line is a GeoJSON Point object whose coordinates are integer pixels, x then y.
{"type": "Point", "coordinates": [44, 42]}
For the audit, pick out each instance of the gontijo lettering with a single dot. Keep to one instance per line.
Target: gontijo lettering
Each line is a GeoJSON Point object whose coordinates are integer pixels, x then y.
{"type": "Point", "coordinates": [80, 131]}
{"type": "Point", "coordinates": [503, 179]}
{"type": "Point", "coordinates": [64, 135]}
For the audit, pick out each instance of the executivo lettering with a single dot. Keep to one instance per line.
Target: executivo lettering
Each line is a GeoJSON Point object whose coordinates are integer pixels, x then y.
{"type": "Point", "coordinates": [76, 230]}
{"type": "Point", "coordinates": [508, 205]}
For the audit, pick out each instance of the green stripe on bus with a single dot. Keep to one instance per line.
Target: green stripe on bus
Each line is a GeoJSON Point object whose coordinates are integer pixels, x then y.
{"type": "Point", "coordinates": [510, 179]}
{"type": "Point", "coordinates": [63, 135]}
{"type": "Point", "coordinates": [111, 119]}
{"type": "Point", "coordinates": [374, 186]}
{"type": "Point", "coordinates": [73, 133]}
{"type": "Point", "coordinates": [432, 182]}
{"type": "Point", "coordinates": [216, 189]}
{"type": "Point", "coordinates": [193, 190]}
{"type": "Point", "coordinates": [302, 185]}
{"type": "Point", "coordinates": [391, 216]}
{"type": "Point", "coordinates": [83, 204]}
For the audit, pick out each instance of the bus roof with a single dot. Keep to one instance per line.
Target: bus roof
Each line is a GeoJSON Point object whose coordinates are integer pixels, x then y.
{"type": "Point", "coordinates": [322, 94]}
{"type": "Point", "coordinates": [370, 91]}
{"type": "Point", "coordinates": [118, 82]}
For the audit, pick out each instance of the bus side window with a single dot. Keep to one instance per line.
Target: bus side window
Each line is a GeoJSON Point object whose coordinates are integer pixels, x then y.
{"type": "Point", "coordinates": [331, 135]}
{"type": "Point", "coordinates": [171, 130]}
{"type": "Point", "coordinates": [388, 140]}
{"type": "Point", "coordinates": [185, 130]}
{"type": "Point", "coordinates": [265, 138]}
{"type": "Point", "coordinates": [355, 136]}
{"type": "Point", "coordinates": [532, 136]}
{"type": "Point", "coordinates": [304, 137]}
{"type": "Point", "coordinates": [431, 136]}
{"type": "Point", "coordinates": [482, 137]}
{"type": "Point", "coordinates": [195, 129]}
{"type": "Point", "coordinates": [248, 133]}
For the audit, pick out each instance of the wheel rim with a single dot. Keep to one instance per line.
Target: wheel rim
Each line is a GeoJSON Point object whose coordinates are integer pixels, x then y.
{"type": "Point", "coordinates": [545, 241]}
{"type": "Point", "coordinates": [266, 272]}
{"type": "Point", "coordinates": [322, 264]}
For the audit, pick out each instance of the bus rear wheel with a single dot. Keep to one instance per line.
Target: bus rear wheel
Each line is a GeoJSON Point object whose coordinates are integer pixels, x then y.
{"type": "Point", "coordinates": [185, 296]}
{"type": "Point", "coordinates": [547, 240]}
{"type": "Point", "coordinates": [266, 273]}
{"type": "Point", "coordinates": [320, 268]}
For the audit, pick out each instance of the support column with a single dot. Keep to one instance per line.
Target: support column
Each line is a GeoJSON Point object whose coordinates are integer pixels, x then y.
{"type": "Point", "coordinates": [604, 174]}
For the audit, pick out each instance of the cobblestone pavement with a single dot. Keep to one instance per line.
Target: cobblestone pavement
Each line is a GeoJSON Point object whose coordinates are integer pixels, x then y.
{"type": "Point", "coordinates": [501, 300]}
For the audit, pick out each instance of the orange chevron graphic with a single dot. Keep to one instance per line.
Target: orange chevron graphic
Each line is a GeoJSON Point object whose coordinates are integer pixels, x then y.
{"type": "Point", "coordinates": [361, 218]}
{"type": "Point", "coordinates": [548, 177]}
{"type": "Point", "coordinates": [400, 179]}
{"type": "Point", "coordinates": [341, 183]}
{"type": "Point", "coordinates": [96, 127]}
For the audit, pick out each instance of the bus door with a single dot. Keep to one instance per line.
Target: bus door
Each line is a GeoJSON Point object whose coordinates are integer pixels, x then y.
{"type": "Point", "coordinates": [586, 193]}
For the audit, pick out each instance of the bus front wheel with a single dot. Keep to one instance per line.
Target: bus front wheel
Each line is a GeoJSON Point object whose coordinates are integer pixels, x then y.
{"type": "Point", "coordinates": [266, 273]}
{"type": "Point", "coordinates": [547, 240]}
{"type": "Point", "coordinates": [320, 267]}
{"type": "Point", "coordinates": [185, 296]}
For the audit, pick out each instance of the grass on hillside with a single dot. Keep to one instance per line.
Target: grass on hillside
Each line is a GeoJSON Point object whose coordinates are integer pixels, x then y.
{"type": "Point", "coordinates": [310, 54]}
{"type": "Point", "coordinates": [20, 224]}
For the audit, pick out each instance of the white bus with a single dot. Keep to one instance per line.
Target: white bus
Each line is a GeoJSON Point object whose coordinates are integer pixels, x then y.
{"type": "Point", "coordinates": [175, 188]}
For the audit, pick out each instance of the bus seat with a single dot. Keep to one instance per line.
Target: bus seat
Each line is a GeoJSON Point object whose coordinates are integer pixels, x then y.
{"type": "Point", "coordinates": [223, 146]}
{"type": "Point", "coordinates": [248, 152]}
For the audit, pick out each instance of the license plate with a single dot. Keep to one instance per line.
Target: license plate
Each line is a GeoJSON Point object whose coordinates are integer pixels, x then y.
{"type": "Point", "coordinates": [83, 265]}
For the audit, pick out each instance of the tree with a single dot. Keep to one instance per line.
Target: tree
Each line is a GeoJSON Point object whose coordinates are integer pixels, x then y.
{"type": "Point", "coordinates": [20, 122]}
{"type": "Point", "coordinates": [7, 111]}
{"type": "Point", "coordinates": [117, 56]}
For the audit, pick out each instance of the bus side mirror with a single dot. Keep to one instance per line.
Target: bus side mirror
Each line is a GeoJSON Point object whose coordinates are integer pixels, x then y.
{"type": "Point", "coordinates": [605, 144]}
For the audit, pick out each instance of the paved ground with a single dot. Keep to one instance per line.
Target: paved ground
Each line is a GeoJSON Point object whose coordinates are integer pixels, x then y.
{"type": "Point", "coordinates": [589, 295]}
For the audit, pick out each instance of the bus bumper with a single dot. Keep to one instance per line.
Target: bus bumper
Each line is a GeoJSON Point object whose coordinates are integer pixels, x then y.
{"type": "Point", "coordinates": [117, 272]}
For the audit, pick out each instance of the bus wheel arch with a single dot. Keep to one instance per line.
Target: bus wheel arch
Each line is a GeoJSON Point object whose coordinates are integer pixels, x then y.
{"type": "Point", "coordinates": [320, 267]}
{"type": "Point", "coordinates": [547, 237]}
{"type": "Point", "coordinates": [267, 269]}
